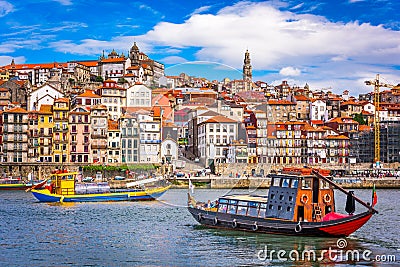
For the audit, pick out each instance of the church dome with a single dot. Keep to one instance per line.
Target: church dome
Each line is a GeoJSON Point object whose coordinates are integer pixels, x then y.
{"type": "Point", "coordinates": [134, 48]}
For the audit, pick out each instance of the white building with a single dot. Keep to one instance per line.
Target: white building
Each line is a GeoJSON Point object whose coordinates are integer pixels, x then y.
{"type": "Point", "coordinates": [114, 98]}
{"type": "Point", "coordinates": [138, 95]}
{"type": "Point", "coordinates": [150, 140]}
{"type": "Point", "coordinates": [169, 150]}
{"type": "Point", "coordinates": [43, 95]}
{"type": "Point", "coordinates": [318, 110]}
{"type": "Point", "coordinates": [113, 67]}
{"type": "Point", "coordinates": [214, 137]}
{"type": "Point", "coordinates": [114, 141]}
{"type": "Point", "coordinates": [134, 74]}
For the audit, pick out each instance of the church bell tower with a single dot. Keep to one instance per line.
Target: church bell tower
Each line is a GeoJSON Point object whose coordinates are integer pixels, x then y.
{"type": "Point", "coordinates": [247, 72]}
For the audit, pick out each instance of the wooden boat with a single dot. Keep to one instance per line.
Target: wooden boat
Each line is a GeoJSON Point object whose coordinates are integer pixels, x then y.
{"type": "Point", "coordinates": [16, 184]}
{"type": "Point", "coordinates": [12, 184]}
{"type": "Point", "coordinates": [65, 188]}
{"type": "Point", "coordinates": [299, 202]}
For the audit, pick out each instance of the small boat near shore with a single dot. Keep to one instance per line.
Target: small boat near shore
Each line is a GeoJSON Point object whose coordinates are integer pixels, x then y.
{"type": "Point", "coordinates": [16, 184]}
{"type": "Point", "coordinates": [300, 202]}
{"type": "Point", "coordinates": [12, 184]}
{"type": "Point", "coordinates": [65, 188]}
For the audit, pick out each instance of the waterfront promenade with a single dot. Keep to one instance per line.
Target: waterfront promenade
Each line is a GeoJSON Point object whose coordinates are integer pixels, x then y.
{"type": "Point", "coordinates": [226, 182]}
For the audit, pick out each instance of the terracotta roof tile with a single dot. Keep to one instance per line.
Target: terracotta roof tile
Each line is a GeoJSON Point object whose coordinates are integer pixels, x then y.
{"type": "Point", "coordinates": [16, 110]}
{"type": "Point", "coordinates": [46, 109]}
{"type": "Point", "coordinates": [90, 94]}
{"type": "Point", "coordinates": [219, 119]}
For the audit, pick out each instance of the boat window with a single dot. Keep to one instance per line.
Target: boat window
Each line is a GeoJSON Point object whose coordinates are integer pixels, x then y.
{"type": "Point", "coordinates": [288, 208]}
{"type": "Point", "coordinates": [272, 196]}
{"type": "Point", "coordinates": [279, 207]}
{"type": "Point", "coordinates": [294, 183]}
{"type": "Point", "coordinates": [222, 200]}
{"type": "Point", "coordinates": [276, 182]}
{"type": "Point", "coordinates": [261, 214]}
{"type": "Point", "coordinates": [290, 198]}
{"type": "Point", "coordinates": [242, 203]}
{"type": "Point", "coordinates": [241, 210]}
{"type": "Point", "coordinates": [253, 204]}
{"type": "Point", "coordinates": [281, 197]}
{"type": "Point", "coordinates": [324, 184]}
{"type": "Point", "coordinates": [232, 201]}
{"type": "Point", "coordinates": [232, 209]}
{"type": "Point", "coordinates": [306, 183]}
{"type": "Point", "coordinates": [222, 208]}
{"type": "Point", "coordinates": [253, 209]}
{"type": "Point", "coordinates": [285, 182]}
{"type": "Point", "coordinates": [271, 207]}
{"type": "Point", "coordinates": [263, 208]}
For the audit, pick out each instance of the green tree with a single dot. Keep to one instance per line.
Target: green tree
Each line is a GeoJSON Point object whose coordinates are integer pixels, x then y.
{"type": "Point", "coordinates": [360, 119]}
{"type": "Point", "coordinates": [99, 79]}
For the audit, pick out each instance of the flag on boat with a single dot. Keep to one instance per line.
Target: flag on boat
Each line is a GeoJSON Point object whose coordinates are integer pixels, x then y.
{"type": "Point", "coordinates": [374, 196]}
{"type": "Point", "coordinates": [191, 186]}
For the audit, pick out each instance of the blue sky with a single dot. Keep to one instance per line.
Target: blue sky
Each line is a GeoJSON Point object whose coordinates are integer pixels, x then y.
{"type": "Point", "coordinates": [334, 44]}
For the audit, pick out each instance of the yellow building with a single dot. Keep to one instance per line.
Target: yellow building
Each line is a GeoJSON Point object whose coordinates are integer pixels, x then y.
{"type": "Point", "coordinates": [60, 130]}
{"type": "Point", "coordinates": [4, 74]}
{"type": "Point", "coordinates": [45, 130]}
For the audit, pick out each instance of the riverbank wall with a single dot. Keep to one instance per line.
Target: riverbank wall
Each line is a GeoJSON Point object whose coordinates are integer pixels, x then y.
{"type": "Point", "coordinates": [215, 182]}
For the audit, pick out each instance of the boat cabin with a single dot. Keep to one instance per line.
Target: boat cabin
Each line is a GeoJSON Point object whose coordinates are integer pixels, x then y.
{"type": "Point", "coordinates": [299, 196]}
{"type": "Point", "coordinates": [292, 197]}
{"type": "Point", "coordinates": [253, 206]}
{"type": "Point", "coordinates": [63, 182]}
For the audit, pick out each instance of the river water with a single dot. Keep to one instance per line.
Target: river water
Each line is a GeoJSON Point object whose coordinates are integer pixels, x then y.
{"type": "Point", "coordinates": [163, 233]}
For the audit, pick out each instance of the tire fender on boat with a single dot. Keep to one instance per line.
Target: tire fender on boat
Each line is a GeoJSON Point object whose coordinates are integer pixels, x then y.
{"type": "Point", "coordinates": [234, 223]}
{"type": "Point", "coordinates": [215, 221]}
{"type": "Point", "coordinates": [327, 198]}
{"type": "Point", "coordinates": [304, 199]}
{"type": "Point", "coordinates": [255, 226]}
{"type": "Point", "coordinates": [298, 228]}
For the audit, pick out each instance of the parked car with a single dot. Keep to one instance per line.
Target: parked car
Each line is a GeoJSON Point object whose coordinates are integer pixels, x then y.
{"type": "Point", "coordinates": [180, 174]}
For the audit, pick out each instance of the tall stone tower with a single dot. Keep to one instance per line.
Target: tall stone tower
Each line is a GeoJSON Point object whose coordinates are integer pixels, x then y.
{"type": "Point", "coordinates": [247, 72]}
{"type": "Point", "coordinates": [134, 55]}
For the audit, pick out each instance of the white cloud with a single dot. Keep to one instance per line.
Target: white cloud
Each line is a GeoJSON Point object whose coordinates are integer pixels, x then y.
{"type": "Point", "coordinates": [356, 1]}
{"type": "Point", "coordinates": [327, 53]}
{"type": "Point", "coordinates": [200, 10]}
{"type": "Point", "coordinates": [64, 2]}
{"type": "Point", "coordinates": [5, 8]}
{"type": "Point", "coordinates": [6, 60]}
{"type": "Point", "coordinates": [290, 71]}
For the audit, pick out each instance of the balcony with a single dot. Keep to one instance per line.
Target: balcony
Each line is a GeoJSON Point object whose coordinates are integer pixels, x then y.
{"type": "Point", "coordinates": [63, 129]}
{"type": "Point", "coordinates": [58, 141]}
{"type": "Point", "coordinates": [98, 136]}
{"type": "Point", "coordinates": [99, 146]}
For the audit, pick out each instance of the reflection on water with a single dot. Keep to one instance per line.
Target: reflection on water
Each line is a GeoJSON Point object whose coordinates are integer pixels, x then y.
{"type": "Point", "coordinates": [163, 233]}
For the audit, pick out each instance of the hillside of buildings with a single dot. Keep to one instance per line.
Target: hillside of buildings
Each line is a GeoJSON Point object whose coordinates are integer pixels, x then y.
{"type": "Point", "coordinates": [124, 110]}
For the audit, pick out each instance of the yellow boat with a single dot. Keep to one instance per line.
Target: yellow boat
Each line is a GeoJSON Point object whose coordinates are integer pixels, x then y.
{"type": "Point", "coordinates": [65, 188]}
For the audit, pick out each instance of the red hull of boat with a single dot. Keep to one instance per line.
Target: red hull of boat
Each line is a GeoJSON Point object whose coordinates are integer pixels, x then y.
{"type": "Point", "coordinates": [345, 228]}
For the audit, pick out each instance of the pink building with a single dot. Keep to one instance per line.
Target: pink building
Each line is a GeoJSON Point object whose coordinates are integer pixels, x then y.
{"type": "Point", "coordinates": [79, 122]}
